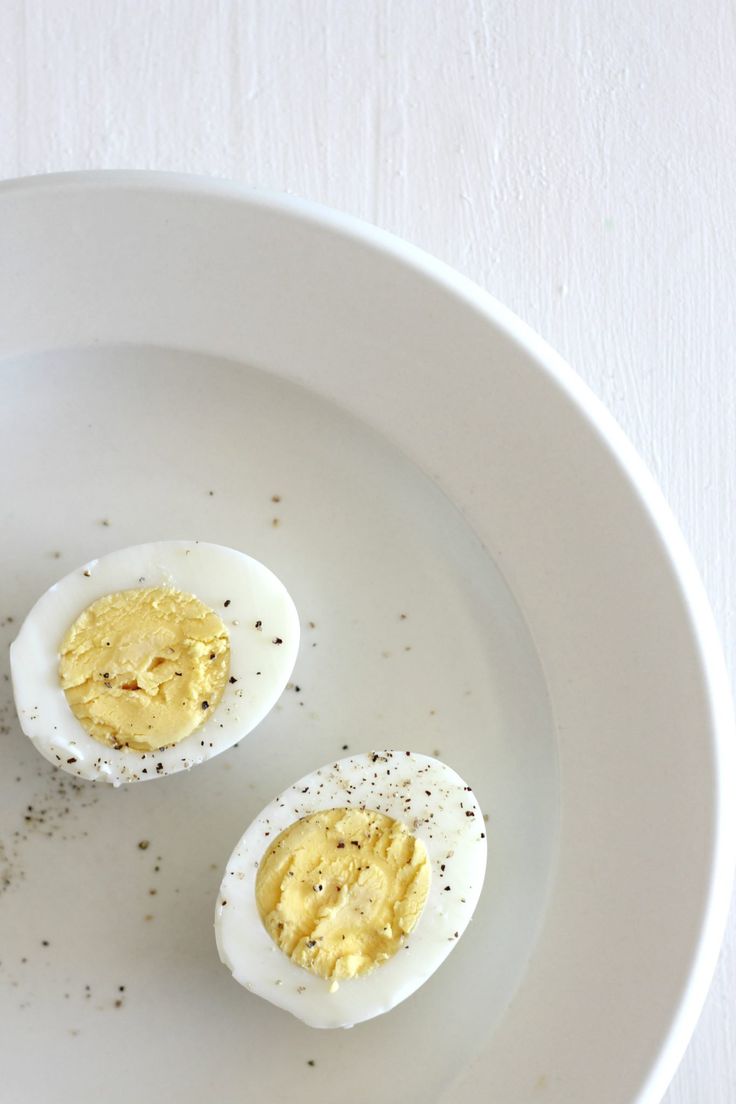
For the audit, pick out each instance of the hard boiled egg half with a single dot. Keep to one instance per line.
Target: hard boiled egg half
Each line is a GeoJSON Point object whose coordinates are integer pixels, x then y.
{"type": "Point", "coordinates": [349, 890]}
{"type": "Point", "coordinates": [152, 659]}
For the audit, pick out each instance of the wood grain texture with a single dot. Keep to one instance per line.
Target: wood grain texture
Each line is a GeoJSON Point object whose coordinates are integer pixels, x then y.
{"type": "Point", "coordinates": [576, 159]}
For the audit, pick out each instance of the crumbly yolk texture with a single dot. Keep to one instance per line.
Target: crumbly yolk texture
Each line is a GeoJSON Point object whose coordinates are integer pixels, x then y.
{"type": "Point", "coordinates": [339, 890]}
{"type": "Point", "coordinates": [144, 668]}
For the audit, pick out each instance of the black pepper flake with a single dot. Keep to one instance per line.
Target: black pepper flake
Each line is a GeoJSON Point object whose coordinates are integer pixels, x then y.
{"type": "Point", "coordinates": [44, 943]}
{"type": "Point", "coordinates": [121, 988]}
{"type": "Point", "coordinates": [344, 747]}
{"type": "Point", "coordinates": [178, 674]}
{"type": "Point", "coordinates": [226, 603]}
{"type": "Point", "coordinates": [143, 844]}
{"type": "Point", "coordinates": [159, 768]}
{"type": "Point", "coordinates": [311, 1062]}
{"type": "Point", "coordinates": [482, 835]}
{"type": "Point", "coordinates": [469, 812]}
{"type": "Point", "coordinates": [311, 943]}
{"type": "Point", "coordinates": [205, 705]}
{"type": "Point", "coordinates": [73, 759]}
{"type": "Point", "coordinates": [447, 889]}
{"type": "Point", "coordinates": [277, 640]}
{"type": "Point", "coordinates": [232, 680]}
{"type": "Point", "coordinates": [341, 844]}
{"type": "Point", "coordinates": [212, 655]}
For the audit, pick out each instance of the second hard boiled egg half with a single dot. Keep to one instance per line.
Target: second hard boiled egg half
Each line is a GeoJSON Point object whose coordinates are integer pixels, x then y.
{"type": "Point", "coordinates": [351, 888]}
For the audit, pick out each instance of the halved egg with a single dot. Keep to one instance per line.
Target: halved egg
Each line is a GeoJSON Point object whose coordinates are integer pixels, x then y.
{"type": "Point", "coordinates": [349, 890]}
{"type": "Point", "coordinates": [152, 659]}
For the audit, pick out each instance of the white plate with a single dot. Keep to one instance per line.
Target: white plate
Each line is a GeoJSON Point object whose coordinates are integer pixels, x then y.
{"type": "Point", "coordinates": [165, 337]}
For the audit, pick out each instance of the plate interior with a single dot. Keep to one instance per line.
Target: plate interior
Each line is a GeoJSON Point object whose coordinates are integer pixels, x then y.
{"type": "Point", "coordinates": [411, 638]}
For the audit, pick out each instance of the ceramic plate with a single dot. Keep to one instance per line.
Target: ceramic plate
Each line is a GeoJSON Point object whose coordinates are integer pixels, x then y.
{"type": "Point", "coordinates": [484, 572]}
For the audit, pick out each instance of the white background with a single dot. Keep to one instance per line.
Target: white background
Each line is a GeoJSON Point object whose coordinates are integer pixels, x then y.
{"type": "Point", "coordinates": [575, 157]}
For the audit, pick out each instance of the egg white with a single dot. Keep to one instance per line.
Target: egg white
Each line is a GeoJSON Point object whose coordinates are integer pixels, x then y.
{"type": "Point", "coordinates": [213, 574]}
{"type": "Point", "coordinates": [449, 822]}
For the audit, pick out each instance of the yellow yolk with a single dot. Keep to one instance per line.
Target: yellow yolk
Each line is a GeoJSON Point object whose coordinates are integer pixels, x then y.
{"type": "Point", "coordinates": [144, 668]}
{"type": "Point", "coordinates": [339, 890]}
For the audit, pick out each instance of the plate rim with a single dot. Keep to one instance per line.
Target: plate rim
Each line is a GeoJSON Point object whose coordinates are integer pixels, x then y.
{"type": "Point", "coordinates": [712, 672]}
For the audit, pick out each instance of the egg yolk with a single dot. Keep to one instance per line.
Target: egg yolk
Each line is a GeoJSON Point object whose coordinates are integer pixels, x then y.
{"type": "Point", "coordinates": [144, 668]}
{"type": "Point", "coordinates": [339, 890]}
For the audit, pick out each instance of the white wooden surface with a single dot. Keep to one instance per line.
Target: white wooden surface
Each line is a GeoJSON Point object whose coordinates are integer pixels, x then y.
{"type": "Point", "coordinates": [575, 157]}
